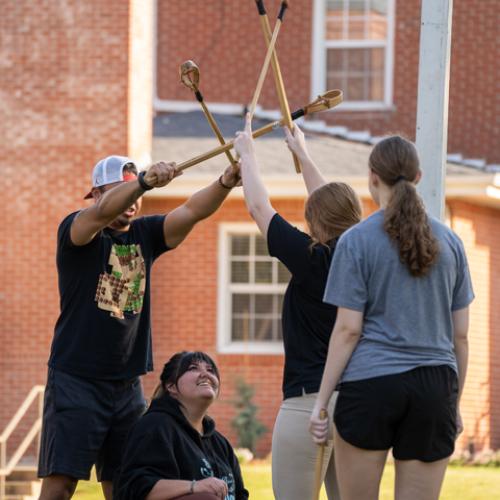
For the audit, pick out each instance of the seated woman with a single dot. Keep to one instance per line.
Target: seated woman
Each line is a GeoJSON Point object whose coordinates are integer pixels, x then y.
{"type": "Point", "coordinates": [174, 450]}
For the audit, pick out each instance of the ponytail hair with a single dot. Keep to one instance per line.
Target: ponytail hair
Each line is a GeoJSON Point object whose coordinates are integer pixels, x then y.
{"type": "Point", "coordinates": [395, 160]}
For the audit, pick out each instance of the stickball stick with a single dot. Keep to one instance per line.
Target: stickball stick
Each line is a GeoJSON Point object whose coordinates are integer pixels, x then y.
{"type": "Point", "coordinates": [326, 101]}
{"type": "Point", "coordinates": [190, 77]}
{"type": "Point", "coordinates": [319, 462]}
{"type": "Point", "coordinates": [267, 60]}
{"type": "Point", "coordinates": [278, 78]}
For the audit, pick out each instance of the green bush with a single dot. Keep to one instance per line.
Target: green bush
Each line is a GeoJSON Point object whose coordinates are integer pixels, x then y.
{"type": "Point", "coordinates": [246, 424]}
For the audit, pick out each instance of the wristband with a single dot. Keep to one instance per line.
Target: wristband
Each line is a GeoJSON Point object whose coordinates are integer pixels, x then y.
{"type": "Point", "coordinates": [144, 185]}
{"type": "Point", "coordinates": [191, 488]}
{"type": "Point", "coordinates": [223, 185]}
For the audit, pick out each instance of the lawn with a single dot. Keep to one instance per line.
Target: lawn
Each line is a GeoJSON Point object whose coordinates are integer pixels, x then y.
{"type": "Point", "coordinates": [461, 483]}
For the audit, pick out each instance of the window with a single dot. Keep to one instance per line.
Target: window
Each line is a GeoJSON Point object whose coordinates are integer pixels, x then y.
{"type": "Point", "coordinates": [251, 289]}
{"type": "Point", "coordinates": [353, 51]}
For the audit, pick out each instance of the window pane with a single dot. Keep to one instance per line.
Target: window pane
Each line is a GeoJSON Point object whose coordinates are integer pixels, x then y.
{"type": "Point", "coordinates": [279, 306]}
{"type": "Point", "coordinates": [356, 89]}
{"type": "Point", "coordinates": [240, 245]}
{"type": "Point", "coordinates": [357, 7]}
{"type": "Point", "coordinates": [240, 329]}
{"type": "Point", "coordinates": [264, 272]}
{"type": "Point", "coordinates": [363, 20]}
{"type": "Point", "coordinates": [378, 6]}
{"type": "Point", "coordinates": [376, 27]}
{"type": "Point", "coordinates": [263, 304]}
{"type": "Point", "coordinates": [283, 273]}
{"type": "Point", "coordinates": [335, 5]}
{"type": "Point", "coordinates": [260, 246]}
{"type": "Point", "coordinates": [241, 303]}
{"type": "Point", "coordinates": [279, 330]}
{"type": "Point", "coordinates": [263, 329]}
{"type": "Point", "coordinates": [240, 272]}
{"type": "Point", "coordinates": [356, 27]}
{"type": "Point", "coordinates": [358, 72]}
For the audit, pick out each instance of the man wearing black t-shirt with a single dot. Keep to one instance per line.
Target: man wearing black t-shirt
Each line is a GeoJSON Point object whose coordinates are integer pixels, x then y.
{"type": "Point", "coordinates": [102, 338]}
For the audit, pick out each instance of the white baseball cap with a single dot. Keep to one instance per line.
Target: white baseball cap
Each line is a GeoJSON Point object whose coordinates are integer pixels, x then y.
{"type": "Point", "coordinates": [110, 170]}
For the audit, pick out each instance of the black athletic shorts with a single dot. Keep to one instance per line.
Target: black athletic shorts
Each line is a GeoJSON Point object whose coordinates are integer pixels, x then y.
{"type": "Point", "coordinates": [413, 412]}
{"type": "Point", "coordinates": [85, 422]}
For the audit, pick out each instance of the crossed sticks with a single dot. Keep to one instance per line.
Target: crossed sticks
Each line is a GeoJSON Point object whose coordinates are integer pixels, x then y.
{"type": "Point", "coordinates": [189, 73]}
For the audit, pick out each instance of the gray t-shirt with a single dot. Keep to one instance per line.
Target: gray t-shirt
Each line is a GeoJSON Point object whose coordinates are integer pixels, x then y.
{"type": "Point", "coordinates": [407, 321]}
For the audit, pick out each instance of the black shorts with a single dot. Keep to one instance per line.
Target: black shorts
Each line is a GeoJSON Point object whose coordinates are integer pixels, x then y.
{"type": "Point", "coordinates": [413, 412]}
{"type": "Point", "coordinates": [85, 422]}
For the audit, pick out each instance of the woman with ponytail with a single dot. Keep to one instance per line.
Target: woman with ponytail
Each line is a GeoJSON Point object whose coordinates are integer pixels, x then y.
{"type": "Point", "coordinates": [398, 350]}
{"type": "Point", "coordinates": [331, 208]}
{"type": "Point", "coordinates": [174, 450]}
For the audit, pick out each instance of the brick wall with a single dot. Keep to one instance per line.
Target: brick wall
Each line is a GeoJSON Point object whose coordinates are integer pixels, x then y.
{"type": "Point", "coordinates": [226, 41]}
{"type": "Point", "coordinates": [64, 72]}
{"type": "Point", "coordinates": [224, 38]}
{"type": "Point", "coordinates": [481, 403]}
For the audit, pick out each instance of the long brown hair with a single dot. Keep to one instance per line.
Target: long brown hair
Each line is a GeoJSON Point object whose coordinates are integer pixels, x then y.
{"type": "Point", "coordinates": [330, 210]}
{"type": "Point", "coordinates": [395, 160]}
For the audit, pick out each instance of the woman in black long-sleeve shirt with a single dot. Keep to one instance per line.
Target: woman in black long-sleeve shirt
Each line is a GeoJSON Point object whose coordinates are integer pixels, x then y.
{"type": "Point", "coordinates": [174, 450]}
{"type": "Point", "coordinates": [331, 208]}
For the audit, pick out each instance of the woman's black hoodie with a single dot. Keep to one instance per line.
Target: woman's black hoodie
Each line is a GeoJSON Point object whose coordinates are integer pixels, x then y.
{"type": "Point", "coordinates": [163, 445]}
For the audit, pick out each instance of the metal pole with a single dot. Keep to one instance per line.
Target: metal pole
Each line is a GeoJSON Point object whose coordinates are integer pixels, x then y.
{"type": "Point", "coordinates": [432, 107]}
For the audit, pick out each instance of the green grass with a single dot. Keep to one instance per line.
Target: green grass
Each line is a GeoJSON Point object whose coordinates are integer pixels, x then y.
{"type": "Point", "coordinates": [461, 483]}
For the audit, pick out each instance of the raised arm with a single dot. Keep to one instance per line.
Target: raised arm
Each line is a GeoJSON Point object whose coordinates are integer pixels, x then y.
{"type": "Point", "coordinates": [313, 178]}
{"type": "Point", "coordinates": [256, 196]}
{"type": "Point", "coordinates": [113, 201]}
{"type": "Point", "coordinates": [199, 206]}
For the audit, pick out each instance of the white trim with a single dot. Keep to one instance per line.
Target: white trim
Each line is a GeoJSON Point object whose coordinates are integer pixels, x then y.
{"type": "Point", "coordinates": [353, 44]}
{"type": "Point", "coordinates": [174, 106]}
{"type": "Point", "coordinates": [224, 289]}
{"type": "Point", "coordinates": [318, 54]}
{"type": "Point", "coordinates": [155, 52]}
{"type": "Point", "coordinates": [318, 58]}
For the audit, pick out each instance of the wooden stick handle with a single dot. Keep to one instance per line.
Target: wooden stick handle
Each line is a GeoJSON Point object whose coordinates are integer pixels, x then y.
{"type": "Point", "coordinates": [229, 145]}
{"type": "Point", "coordinates": [265, 67]}
{"type": "Point", "coordinates": [217, 132]}
{"type": "Point", "coordinates": [280, 86]}
{"type": "Point", "coordinates": [325, 101]}
{"type": "Point", "coordinates": [319, 462]}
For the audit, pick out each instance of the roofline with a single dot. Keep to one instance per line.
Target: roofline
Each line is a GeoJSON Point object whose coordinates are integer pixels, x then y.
{"type": "Point", "coordinates": [483, 188]}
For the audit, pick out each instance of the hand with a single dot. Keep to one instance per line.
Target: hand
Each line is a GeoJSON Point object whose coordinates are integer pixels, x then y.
{"type": "Point", "coordinates": [318, 427]}
{"type": "Point", "coordinates": [212, 485]}
{"type": "Point", "coordinates": [460, 424]}
{"type": "Point", "coordinates": [296, 141]}
{"type": "Point", "coordinates": [231, 176]}
{"type": "Point", "coordinates": [160, 174]}
{"type": "Point", "coordinates": [243, 144]}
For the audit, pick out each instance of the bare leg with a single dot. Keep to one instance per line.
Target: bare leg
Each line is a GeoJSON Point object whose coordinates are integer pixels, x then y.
{"type": "Point", "coordinates": [358, 471]}
{"type": "Point", "coordinates": [57, 487]}
{"type": "Point", "coordinates": [416, 480]}
{"type": "Point", "coordinates": [107, 489]}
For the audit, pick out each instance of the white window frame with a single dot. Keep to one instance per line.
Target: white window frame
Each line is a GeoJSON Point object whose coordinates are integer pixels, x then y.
{"type": "Point", "coordinates": [225, 344]}
{"type": "Point", "coordinates": [319, 49]}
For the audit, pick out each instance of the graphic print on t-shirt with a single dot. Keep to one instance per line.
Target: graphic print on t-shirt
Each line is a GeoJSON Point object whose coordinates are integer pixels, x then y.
{"type": "Point", "coordinates": [122, 289]}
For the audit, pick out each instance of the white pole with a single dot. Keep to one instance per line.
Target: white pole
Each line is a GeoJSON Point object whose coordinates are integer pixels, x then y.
{"type": "Point", "coordinates": [432, 105]}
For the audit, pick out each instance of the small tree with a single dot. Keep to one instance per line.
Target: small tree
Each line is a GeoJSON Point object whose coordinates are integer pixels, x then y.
{"type": "Point", "coordinates": [246, 424]}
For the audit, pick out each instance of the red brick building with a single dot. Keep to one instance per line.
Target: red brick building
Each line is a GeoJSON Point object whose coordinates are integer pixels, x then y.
{"type": "Point", "coordinates": [76, 84]}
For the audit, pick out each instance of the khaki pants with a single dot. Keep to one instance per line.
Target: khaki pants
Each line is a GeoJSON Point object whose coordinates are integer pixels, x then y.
{"type": "Point", "coordinates": [294, 454]}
